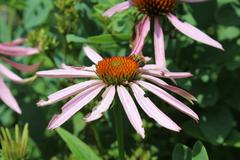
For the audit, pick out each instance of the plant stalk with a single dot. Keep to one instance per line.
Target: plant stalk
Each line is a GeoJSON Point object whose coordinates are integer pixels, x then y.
{"type": "Point", "coordinates": [119, 130]}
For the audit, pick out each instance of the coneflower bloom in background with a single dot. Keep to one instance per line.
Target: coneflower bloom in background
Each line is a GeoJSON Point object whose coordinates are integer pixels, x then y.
{"type": "Point", "coordinates": [14, 49]}
{"type": "Point", "coordinates": [151, 10]}
{"type": "Point", "coordinates": [123, 77]}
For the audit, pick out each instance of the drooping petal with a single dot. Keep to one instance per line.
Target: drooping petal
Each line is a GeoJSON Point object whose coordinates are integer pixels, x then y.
{"type": "Point", "coordinates": [159, 50]}
{"type": "Point", "coordinates": [103, 106]}
{"type": "Point", "coordinates": [147, 59]}
{"type": "Point", "coordinates": [151, 110]}
{"type": "Point", "coordinates": [65, 73]}
{"type": "Point", "coordinates": [65, 66]}
{"type": "Point", "coordinates": [16, 42]}
{"type": "Point", "coordinates": [15, 51]}
{"type": "Point", "coordinates": [5, 72]}
{"type": "Point", "coordinates": [193, 32]}
{"type": "Point", "coordinates": [174, 89]}
{"type": "Point", "coordinates": [22, 67]}
{"type": "Point", "coordinates": [74, 105]}
{"type": "Point", "coordinates": [84, 68]}
{"type": "Point", "coordinates": [169, 99]}
{"type": "Point", "coordinates": [142, 30]}
{"type": "Point", "coordinates": [68, 92]}
{"type": "Point", "coordinates": [117, 8]}
{"type": "Point", "coordinates": [92, 55]}
{"type": "Point", "coordinates": [130, 109]}
{"type": "Point", "coordinates": [152, 67]}
{"type": "Point", "coordinates": [166, 74]}
{"type": "Point", "coordinates": [192, 1]}
{"type": "Point", "coordinates": [177, 74]}
{"type": "Point", "coordinates": [7, 97]}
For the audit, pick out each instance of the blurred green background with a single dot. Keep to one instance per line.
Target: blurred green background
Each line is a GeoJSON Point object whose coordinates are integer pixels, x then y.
{"type": "Point", "coordinates": [61, 27]}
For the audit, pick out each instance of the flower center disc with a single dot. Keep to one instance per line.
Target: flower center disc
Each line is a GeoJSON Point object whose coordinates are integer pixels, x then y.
{"type": "Point", "coordinates": [155, 7]}
{"type": "Point", "coordinates": [117, 70]}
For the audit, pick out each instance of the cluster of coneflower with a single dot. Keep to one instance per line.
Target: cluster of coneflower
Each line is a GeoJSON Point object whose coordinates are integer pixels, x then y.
{"type": "Point", "coordinates": [123, 78]}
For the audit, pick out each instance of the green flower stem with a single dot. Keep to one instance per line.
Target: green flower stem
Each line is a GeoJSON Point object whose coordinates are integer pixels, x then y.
{"type": "Point", "coordinates": [51, 58]}
{"type": "Point", "coordinates": [119, 129]}
{"type": "Point", "coordinates": [97, 137]}
{"type": "Point", "coordinates": [66, 49]}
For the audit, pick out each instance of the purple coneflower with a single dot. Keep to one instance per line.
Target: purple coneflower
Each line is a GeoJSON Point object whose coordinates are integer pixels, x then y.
{"type": "Point", "coordinates": [151, 10]}
{"type": "Point", "coordinates": [14, 49]}
{"type": "Point", "coordinates": [125, 77]}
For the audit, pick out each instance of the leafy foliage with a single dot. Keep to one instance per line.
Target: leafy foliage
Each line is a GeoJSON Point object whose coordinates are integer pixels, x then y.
{"type": "Point", "coordinates": [61, 27]}
{"type": "Point", "coordinates": [79, 149]}
{"type": "Point", "coordinates": [14, 147]}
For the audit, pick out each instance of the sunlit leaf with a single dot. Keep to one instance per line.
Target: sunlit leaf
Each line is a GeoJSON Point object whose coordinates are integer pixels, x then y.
{"type": "Point", "coordinates": [199, 152]}
{"type": "Point", "coordinates": [181, 152]}
{"type": "Point", "coordinates": [79, 149]}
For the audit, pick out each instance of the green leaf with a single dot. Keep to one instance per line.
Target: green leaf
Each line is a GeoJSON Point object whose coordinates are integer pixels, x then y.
{"type": "Point", "coordinates": [192, 128]}
{"type": "Point", "coordinates": [37, 12]}
{"type": "Point", "coordinates": [233, 139]}
{"type": "Point", "coordinates": [108, 38]}
{"type": "Point", "coordinates": [78, 123]}
{"type": "Point", "coordinates": [79, 149]}
{"type": "Point", "coordinates": [76, 39]}
{"type": "Point", "coordinates": [101, 39]}
{"type": "Point", "coordinates": [199, 152]}
{"type": "Point", "coordinates": [216, 124]}
{"type": "Point", "coordinates": [228, 33]}
{"type": "Point", "coordinates": [223, 14]}
{"type": "Point", "coordinates": [181, 152]}
{"type": "Point", "coordinates": [208, 93]}
{"type": "Point", "coordinates": [223, 2]}
{"type": "Point", "coordinates": [5, 32]}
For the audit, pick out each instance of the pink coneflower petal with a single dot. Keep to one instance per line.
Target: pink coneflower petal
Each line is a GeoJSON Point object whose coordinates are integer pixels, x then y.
{"type": "Point", "coordinates": [169, 99]}
{"type": "Point", "coordinates": [130, 109]}
{"type": "Point", "coordinates": [103, 106]}
{"type": "Point", "coordinates": [142, 30]}
{"type": "Point", "coordinates": [15, 51]}
{"type": "Point", "coordinates": [174, 89]}
{"type": "Point", "coordinates": [67, 92]}
{"type": "Point", "coordinates": [65, 66]}
{"type": "Point", "coordinates": [193, 32]}
{"type": "Point", "coordinates": [92, 55]}
{"type": "Point", "coordinates": [21, 67]}
{"type": "Point", "coordinates": [75, 100]}
{"type": "Point", "coordinates": [192, 1]}
{"type": "Point", "coordinates": [7, 97]}
{"type": "Point", "coordinates": [178, 74]}
{"type": "Point", "coordinates": [147, 59]}
{"type": "Point", "coordinates": [159, 50]}
{"type": "Point", "coordinates": [167, 74]}
{"type": "Point", "coordinates": [4, 71]}
{"type": "Point", "coordinates": [151, 110]}
{"type": "Point", "coordinates": [152, 67]}
{"type": "Point", "coordinates": [74, 105]}
{"type": "Point", "coordinates": [65, 73]}
{"type": "Point", "coordinates": [84, 68]}
{"type": "Point", "coordinates": [16, 42]}
{"type": "Point", "coordinates": [117, 8]}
